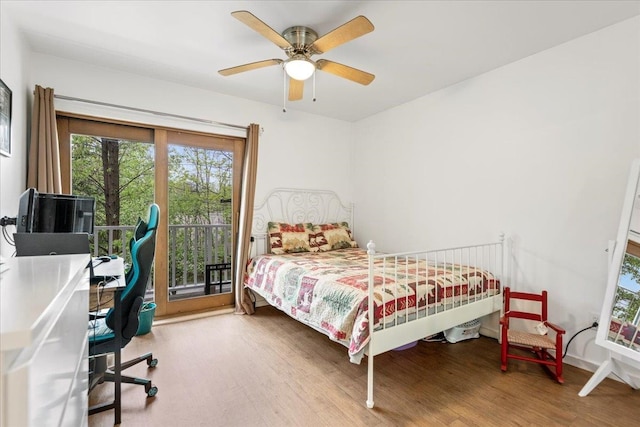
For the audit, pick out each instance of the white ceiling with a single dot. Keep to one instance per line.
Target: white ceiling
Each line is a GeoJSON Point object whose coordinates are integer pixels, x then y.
{"type": "Point", "coordinates": [417, 47]}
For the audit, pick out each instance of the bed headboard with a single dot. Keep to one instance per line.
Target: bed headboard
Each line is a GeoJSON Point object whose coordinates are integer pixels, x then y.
{"type": "Point", "coordinates": [294, 206]}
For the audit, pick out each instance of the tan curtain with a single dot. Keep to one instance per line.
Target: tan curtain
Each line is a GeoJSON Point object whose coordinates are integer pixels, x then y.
{"type": "Point", "coordinates": [43, 165]}
{"type": "Point", "coordinates": [244, 303]}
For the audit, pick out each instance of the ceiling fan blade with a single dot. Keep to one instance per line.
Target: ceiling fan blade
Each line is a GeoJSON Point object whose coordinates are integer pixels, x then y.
{"type": "Point", "coordinates": [249, 67]}
{"type": "Point", "coordinates": [296, 87]}
{"type": "Point", "coordinates": [256, 24]}
{"type": "Point", "coordinates": [355, 28]}
{"type": "Point", "coordinates": [345, 71]}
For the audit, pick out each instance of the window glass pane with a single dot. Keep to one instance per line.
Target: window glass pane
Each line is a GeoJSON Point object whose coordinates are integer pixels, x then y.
{"type": "Point", "coordinates": [200, 194]}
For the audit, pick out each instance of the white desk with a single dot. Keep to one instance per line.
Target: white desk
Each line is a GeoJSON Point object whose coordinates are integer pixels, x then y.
{"type": "Point", "coordinates": [112, 268]}
{"type": "Point", "coordinates": [43, 341]}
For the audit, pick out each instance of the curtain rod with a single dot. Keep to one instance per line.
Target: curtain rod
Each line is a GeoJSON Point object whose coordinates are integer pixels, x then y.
{"type": "Point", "coordinates": [157, 113]}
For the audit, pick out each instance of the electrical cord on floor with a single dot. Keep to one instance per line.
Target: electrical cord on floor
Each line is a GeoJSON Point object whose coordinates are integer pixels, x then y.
{"type": "Point", "coordinates": [593, 325]}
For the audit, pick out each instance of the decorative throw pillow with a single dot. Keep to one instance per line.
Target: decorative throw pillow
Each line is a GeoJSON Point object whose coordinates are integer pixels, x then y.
{"type": "Point", "coordinates": [288, 238]}
{"type": "Point", "coordinates": [327, 237]}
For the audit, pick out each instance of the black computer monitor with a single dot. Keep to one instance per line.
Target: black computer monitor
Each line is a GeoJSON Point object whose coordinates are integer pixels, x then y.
{"type": "Point", "coordinates": [55, 213]}
{"type": "Point", "coordinates": [26, 214]}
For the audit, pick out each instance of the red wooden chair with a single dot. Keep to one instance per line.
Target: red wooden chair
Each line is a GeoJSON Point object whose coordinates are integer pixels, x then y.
{"type": "Point", "coordinates": [536, 344]}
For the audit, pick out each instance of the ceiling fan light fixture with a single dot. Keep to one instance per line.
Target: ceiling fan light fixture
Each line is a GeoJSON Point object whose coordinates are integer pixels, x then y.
{"type": "Point", "coordinates": [300, 43]}
{"type": "Point", "coordinates": [299, 67]}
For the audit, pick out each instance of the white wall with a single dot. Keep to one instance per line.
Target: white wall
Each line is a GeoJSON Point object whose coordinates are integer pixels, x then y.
{"type": "Point", "coordinates": [14, 68]}
{"type": "Point", "coordinates": [539, 149]}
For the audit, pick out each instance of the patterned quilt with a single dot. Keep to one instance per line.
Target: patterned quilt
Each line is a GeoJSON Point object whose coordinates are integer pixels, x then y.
{"type": "Point", "coordinates": [329, 290]}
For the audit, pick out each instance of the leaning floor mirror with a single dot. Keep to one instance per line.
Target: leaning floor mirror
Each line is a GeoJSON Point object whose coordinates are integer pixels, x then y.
{"type": "Point", "coordinates": [619, 326]}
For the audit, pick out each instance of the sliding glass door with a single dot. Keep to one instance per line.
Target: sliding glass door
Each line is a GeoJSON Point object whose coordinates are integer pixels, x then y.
{"type": "Point", "coordinates": [201, 184]}
{"type": "Point", "coordinates": [193, 177]}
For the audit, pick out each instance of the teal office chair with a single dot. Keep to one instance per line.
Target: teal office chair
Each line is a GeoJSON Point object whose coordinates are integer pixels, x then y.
{"type": "Point", "coordinates": [103, 337]}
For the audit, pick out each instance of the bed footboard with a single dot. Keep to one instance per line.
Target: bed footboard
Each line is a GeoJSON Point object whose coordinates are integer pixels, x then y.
{"type": "Point", "coordinates": [429, 292]}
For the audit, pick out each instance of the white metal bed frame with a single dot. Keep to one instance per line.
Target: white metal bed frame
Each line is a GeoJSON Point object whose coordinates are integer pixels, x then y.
{"type": "Point", "coordinates": [405, 325]}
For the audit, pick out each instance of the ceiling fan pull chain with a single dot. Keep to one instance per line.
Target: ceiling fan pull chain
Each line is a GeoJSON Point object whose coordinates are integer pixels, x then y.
{"type": "Point", "coordinates": [314, 85]}
{"type": "Point", "coordinates": [284, 91]}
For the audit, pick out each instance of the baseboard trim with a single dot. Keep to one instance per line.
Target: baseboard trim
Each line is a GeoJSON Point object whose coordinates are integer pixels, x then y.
{"type": "Point", "coordinates": [184, 317]}
{"type": "Point", "coordinates": [581, 363]}
{"type": "Point", "coordinates": [489, 332]}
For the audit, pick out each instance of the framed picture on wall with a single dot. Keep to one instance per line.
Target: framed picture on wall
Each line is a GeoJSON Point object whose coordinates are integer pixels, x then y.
{"type": "Point", "coordinates": [5, 120]}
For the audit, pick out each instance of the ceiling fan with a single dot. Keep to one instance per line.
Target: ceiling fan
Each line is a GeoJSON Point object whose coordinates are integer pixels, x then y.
{"type": "Point", "coordinates": [300, 43]}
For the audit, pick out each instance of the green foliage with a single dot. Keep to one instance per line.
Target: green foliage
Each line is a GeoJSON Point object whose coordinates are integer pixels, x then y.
{"type": "Point", "coordinates": [199, 186]}
{"type": "Point", "coordinates": [631, 266]}
{"type": "Point", "coordinates": [200, 192]}
{"type": "Point", "coordinates": [200, 181]}
{"type": "Point", "coordinates": [627, 303]}
{"type": "Point", "coordinates": [136, 164]}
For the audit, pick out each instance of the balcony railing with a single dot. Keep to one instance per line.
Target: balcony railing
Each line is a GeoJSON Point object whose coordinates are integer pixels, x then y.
{"type": "Point", "coordinates": [191, 248]}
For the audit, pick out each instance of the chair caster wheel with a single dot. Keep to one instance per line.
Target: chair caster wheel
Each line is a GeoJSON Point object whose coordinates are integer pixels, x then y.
{"type": "Point", "coordinates": [152, 391]}
{"type": "Point", "coordinates": [152, 363]}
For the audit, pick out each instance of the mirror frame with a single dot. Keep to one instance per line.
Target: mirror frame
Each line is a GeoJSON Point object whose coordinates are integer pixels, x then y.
{"type": "Point", "coordinates": [615, 266]}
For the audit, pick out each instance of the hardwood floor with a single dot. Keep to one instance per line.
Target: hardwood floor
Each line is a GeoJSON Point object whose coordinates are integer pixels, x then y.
{"type": "Point", "coordinates": [270, 370]}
